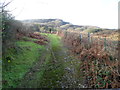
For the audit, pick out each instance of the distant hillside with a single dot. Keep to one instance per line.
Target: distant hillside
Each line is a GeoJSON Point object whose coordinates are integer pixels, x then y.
{"type": "Point", "coordinates": [49, 22]}
{"type": "Point", "coordinates": [62, 25]}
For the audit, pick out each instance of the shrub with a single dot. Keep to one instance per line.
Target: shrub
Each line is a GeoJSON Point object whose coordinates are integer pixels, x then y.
{"type": "Point", "coordinates": [93, 30]}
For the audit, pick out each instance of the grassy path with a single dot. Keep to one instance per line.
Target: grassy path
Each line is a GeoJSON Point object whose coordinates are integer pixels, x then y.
{"type": "Point", "coordinates": [55, 69]}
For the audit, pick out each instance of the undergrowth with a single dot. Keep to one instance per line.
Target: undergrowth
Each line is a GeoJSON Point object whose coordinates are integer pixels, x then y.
{"type": "Point", "coordinates": [99, 68]}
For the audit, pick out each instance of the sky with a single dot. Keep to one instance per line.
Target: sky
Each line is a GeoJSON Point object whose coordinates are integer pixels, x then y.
{"type": "Point", "coordinates": [101, 13]}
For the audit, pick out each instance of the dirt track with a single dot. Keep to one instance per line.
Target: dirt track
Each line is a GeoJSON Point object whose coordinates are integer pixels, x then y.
{"type": "Point", "coordinates": [61, 70]}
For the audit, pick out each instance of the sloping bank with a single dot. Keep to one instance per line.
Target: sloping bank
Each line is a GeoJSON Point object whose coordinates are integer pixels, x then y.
{"type": "Point", "coordinates": [18, 61]}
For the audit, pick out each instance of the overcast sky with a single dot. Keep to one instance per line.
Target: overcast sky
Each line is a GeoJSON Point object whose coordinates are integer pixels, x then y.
{"type": "Point", "coordinates": [102, 13]}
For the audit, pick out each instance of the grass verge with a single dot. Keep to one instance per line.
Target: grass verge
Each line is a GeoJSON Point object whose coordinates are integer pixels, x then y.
{"type": "Point", "coordinates": [18, 61]}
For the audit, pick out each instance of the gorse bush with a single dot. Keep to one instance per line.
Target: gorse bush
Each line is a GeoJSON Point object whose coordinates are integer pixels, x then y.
{"type": "Point", "coordinates": [7, 38]}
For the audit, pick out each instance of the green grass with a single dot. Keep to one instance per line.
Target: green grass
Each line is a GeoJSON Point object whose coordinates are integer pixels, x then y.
{"type": "Point", "coordinates": [53, 70]}
{"type": "Point", "coordinates": [26, 54]}
{"type": "Point", "coordinates": [52, 74]}
{"type": "Point", "coordinates": [21, 60]}
{"type": "Point", "coordinates": [24, 57]}
{"type": "Point", "coordinates": [54, 41]}
{"type": "Point", "coordinates": [38, 76]}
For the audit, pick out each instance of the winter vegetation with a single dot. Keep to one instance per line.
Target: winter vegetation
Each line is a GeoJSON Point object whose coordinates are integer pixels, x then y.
{"type": "Point", "coordinates": [52, 53]}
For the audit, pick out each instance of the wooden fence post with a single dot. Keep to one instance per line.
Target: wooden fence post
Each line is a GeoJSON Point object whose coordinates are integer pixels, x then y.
{"type": "Point", "coordinates": [89, 40]}
{"type": "Point", "coordinates": [65, 34]}
{"type": "Point", "coordinates": [105, 44]}
{"type": "Point", "coordinates": [88, 37]}
{"type": "Point", "coordinates": [80, 37]}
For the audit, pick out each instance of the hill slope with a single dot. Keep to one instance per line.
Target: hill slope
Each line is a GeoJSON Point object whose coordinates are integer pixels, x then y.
{"type": "Point", "coordinates": [58, 23]}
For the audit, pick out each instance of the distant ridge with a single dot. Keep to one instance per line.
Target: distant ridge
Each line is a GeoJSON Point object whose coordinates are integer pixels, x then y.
{"type": "Point", "coordinates": [59, 23]}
